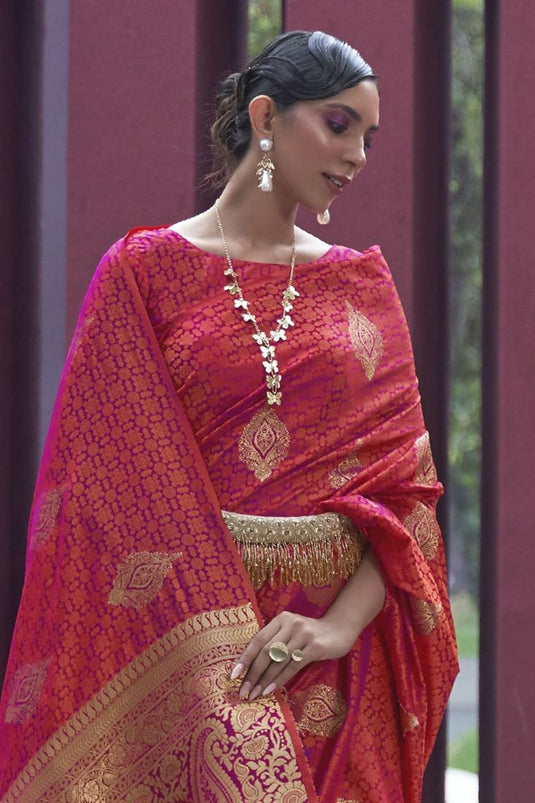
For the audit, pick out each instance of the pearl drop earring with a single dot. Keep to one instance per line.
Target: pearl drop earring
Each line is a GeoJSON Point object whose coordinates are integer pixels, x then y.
{"type": "Point", "coordinates": [265, 167]}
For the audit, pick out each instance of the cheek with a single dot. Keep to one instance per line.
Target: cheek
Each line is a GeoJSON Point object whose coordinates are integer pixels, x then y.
{"type": "Point", "coordinates": [313, 135]}
{"type": "Point", "coordinates": [305, 131]}
{"type": "Point", "coordinates": [308, 146]}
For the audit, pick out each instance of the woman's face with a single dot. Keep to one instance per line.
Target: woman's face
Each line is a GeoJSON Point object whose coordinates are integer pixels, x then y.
{"type": "Point", "coordinates": [317, 141]}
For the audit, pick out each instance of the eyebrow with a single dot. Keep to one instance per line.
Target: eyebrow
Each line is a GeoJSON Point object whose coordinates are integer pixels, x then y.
{"type": "Point", "coordinates": [352, 113]}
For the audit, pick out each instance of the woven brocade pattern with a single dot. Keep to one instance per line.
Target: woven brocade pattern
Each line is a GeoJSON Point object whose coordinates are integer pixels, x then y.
{"type": "Point", "coordinates": [139, 599]}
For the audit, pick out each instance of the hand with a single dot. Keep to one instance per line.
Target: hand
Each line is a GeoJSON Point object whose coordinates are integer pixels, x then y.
{"type": "Point", "coordinates": [318, 639]}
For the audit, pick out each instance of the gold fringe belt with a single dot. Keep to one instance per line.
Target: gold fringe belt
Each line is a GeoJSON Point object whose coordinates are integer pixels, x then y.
{"type": "Point", "coordinates": [312, 550]}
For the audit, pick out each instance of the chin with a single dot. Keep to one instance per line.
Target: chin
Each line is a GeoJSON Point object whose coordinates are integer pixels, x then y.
{"type": "Point", "coordinates": [315, 209]}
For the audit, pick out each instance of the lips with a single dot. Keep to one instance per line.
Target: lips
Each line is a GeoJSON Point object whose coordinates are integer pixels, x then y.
{"type": "Point", "coordinates": [336, 183]}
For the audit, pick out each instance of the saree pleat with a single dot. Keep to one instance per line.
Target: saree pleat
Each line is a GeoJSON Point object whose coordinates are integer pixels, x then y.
{"type": "Point", "coordinates": [135, 594]}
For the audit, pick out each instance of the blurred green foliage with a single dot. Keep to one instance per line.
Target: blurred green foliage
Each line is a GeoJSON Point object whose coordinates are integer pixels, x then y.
{"type": "Point", "coordinates": [466, 193]}
{"type": "Point", "coordinates": [466, 616]}
{"type": "Point", "coordinates": [265, 22]}
{"type": "Point", "coordinates": [475, 4]}
{"type": "Point", "coordinates": [463, 753]}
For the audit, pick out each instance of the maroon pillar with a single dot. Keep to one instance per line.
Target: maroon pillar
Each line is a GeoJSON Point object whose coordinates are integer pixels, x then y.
{"type": "Point", "coordinates": [131, 141]}
{"type": "Point", "coordinates": [141, 81]}
{"type": "Point", "coordinates": [19, 226]}
{"type": "Point", "coordinates": [401, 199]}
{"type": "Point", "coordinates": [222, 28]}
{"type": "Point", "coordinates": [507, 693]}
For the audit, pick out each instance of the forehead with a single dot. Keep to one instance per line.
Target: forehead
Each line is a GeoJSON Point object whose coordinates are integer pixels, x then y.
{"type": "Point", "coordinates": [363, 98]}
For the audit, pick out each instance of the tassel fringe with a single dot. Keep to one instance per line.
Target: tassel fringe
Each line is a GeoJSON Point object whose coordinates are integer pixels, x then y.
{"type": "Point", "coordinates": [311, 550]}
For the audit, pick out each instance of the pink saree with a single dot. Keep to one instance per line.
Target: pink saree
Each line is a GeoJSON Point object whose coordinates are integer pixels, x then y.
{"type": "Point", "coordinates": [136, 603]}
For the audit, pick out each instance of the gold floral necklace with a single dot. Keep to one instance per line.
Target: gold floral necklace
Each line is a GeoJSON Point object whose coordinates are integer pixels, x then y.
{"type": "Point", "coordinates": [265, 343]}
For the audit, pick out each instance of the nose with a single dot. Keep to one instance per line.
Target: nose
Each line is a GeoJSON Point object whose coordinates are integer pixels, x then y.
{"type": "Point", "coordinates": [357, 156]}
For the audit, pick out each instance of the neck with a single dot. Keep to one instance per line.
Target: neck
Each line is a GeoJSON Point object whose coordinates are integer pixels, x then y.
{"type": "Point", "coordinates": [255, 220]}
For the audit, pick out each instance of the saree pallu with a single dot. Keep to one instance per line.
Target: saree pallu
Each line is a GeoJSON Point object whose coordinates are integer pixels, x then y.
{"type": "Point", "coordinates": [136, 603]}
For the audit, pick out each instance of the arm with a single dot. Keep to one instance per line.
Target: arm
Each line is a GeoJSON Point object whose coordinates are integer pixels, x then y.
{"type": "Point", "coordinates": [330, 637]}
{"type": "Point", "coordinates": [360, 600]}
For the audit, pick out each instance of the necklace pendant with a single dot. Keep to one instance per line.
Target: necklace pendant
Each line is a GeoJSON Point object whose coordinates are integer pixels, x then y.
{"type": "Point", "coordinates": [274, 397]}
{"type": "Point", "coordinates": [271, 366]}
{"type": "Point", "coordinates": [291, 292]}
{"type": "Point", "coordinates": [266, 344]}
{"type": "Point", "coordinates": [261, 338]}
{"type": "Point", "coordinates": [268, 352]}
{"type": "Point", "coordinates": [273, 381]}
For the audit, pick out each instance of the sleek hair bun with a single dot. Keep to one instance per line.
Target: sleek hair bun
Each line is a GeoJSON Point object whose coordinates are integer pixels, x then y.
{"type": "Point", "coordinates": [295, 66]}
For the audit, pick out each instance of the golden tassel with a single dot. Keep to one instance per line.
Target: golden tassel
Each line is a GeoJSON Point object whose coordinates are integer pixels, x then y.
{"type": "Point", "coordinates": [311, 550]}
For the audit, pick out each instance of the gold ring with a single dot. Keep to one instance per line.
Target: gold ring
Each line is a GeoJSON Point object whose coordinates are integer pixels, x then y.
{"type": "Point", "coordinates": [278, 651]}
{"type": "Point", "coordinates": [298, 655]}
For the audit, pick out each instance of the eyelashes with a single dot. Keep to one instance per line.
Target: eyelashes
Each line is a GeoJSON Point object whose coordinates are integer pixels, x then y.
{"type": "Point", "coordinates": [336, 126]}
{"type": "Point", "coordinates": [340, 126]}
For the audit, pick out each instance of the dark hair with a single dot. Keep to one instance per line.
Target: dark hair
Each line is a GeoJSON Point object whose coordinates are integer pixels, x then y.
{"type": "Point", "coordinates": [298, 65]}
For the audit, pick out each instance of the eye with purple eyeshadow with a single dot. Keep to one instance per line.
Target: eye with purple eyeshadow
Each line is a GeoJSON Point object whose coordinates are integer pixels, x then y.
{"type": "Point", "coordinates": [338, 123]}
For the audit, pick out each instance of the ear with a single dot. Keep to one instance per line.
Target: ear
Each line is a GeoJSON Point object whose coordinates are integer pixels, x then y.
{"type": "Point", "coordinates": [262, 110]}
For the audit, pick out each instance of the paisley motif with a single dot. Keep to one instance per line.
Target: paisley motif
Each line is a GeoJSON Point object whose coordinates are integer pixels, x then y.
{"type": "Point", "coordinates": [264, 443]}
{"type": "Point", "coordinates": [140, 577]}
{"type": "Point", "coordinates": [366, 339]}
{"type": "Point", "coordinates": [426, 614]}
{"type": "Point", "coordinates": [26, 688]}
{"type": "Point", "coordinates": [319, 709]}
{"type": "Point", "coordinates": [426, 473]}
{"type": "Point", "coordinates": [346, 470]}
{"type": "Point", "coordinates": [423, 526]}
{"type": "Point", "coordinates": [45, 516]}
{"type": "Point", "coordinates": [81, 330]}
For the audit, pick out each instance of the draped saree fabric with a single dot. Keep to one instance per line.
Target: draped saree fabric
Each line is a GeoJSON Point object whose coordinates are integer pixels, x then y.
{"type": "Point", "coordinates": [136, 604]}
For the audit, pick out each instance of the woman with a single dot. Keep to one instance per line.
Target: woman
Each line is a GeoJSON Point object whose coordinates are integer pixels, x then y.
{"type": "Point", "coordinates": [235, 585]}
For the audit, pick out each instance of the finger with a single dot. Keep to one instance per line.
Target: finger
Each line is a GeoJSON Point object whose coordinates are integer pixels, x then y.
{"type": "Point", "coordinates": [276, 674]}
{"type": "Point", "coordinates": [289, 671]}
{"type": "Point", "coordinates": [251, 651]}
{"type": "Point", "coordinates": [261, 663]}
{"type": "Point", "coordinates": [266, 635]}
{"type": "Point", "coordinates": [255, 658]}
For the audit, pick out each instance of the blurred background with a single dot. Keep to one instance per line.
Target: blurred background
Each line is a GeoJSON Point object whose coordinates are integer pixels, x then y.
{"type": "Point", "coordinates": [105, 126]}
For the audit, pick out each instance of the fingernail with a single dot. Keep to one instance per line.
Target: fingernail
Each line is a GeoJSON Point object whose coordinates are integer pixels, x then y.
{"type": "Point", "coordinates": [256, 692]}
{"type": "Point", "coordinates": [269, 689]}
{"type": "Point", "coordinates": [244, 691]}
{"type": "Point", "coordinates": [236, 672]}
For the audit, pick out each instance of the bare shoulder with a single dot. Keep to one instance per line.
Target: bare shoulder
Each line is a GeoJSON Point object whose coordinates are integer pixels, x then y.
{"type": "Point", "coordinates": [308, 246]}
{"type": "Point", "coordinates": [199, 230]}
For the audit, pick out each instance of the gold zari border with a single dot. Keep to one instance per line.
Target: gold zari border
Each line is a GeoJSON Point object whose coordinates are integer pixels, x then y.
{"type": "Point", "coordinates": [170, 726]}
